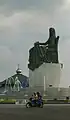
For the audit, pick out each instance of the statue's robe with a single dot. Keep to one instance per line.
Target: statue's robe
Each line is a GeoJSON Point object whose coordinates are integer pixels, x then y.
{"type": "Point", "coordinates": [36, 57]}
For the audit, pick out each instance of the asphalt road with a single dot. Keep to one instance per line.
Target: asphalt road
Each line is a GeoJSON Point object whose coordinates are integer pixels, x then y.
{"type": "Point", "coordinates": [49, 112]}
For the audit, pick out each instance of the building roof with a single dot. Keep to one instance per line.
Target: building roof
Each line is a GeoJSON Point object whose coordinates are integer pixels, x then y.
{"type": "Point", "coordinates": [22, 78]}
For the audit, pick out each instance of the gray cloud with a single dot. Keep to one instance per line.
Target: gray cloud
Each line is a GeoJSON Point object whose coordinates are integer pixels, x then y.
{"type": "Point", "coordinates": [22, 22]}
{"type": "Point", "coordinates": [10, 6]}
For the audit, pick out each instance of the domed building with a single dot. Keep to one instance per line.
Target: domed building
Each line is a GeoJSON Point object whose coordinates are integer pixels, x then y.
{"type": "Point", "coordinates": [24, 80]}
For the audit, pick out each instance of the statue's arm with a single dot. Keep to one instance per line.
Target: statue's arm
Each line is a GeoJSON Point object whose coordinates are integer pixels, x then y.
{"type": "Point", "coordinates": [43, 43]}
{"type": "Point", "coordinates": [38, 43]}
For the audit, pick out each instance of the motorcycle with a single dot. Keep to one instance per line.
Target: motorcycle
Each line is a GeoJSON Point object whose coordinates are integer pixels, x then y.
{"type": "Point", "coordinates": [34, 103]}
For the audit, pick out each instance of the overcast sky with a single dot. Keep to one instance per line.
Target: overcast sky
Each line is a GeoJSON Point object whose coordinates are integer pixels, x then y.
{"type": "Point", "coordinates": [23, 22]}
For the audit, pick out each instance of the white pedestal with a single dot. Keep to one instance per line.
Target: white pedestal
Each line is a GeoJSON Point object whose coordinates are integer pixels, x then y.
{"type": "Point", "coordinates": [52, 73]}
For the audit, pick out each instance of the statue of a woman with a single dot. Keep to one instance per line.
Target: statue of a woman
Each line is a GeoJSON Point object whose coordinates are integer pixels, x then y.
{"type": "Point", "coordinates": [44, 52]}
{"type": "Point", "coordinates": [17, 84]}
{"type": "Point", "coordinates": [51, 46]}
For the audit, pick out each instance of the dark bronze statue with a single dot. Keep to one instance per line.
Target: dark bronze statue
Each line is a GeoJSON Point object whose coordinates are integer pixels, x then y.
{"type": "Point", "coordinates": [44, 52]}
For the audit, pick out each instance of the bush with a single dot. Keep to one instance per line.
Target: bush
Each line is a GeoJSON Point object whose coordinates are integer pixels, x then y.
{"type": "Point", "coordinates": [7, 101]}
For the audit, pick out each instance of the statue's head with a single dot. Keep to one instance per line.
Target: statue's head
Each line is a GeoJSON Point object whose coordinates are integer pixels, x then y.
{"type": "Point", "coordinates": [52, 32]}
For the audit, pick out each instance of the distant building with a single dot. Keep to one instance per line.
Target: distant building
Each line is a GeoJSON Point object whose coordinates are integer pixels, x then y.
{"type": "Point", "coordinates": [22, 78]}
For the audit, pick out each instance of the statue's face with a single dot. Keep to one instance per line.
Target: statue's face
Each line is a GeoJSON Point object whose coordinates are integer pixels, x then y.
{"type": "Point", "coordinates": [52, 32]}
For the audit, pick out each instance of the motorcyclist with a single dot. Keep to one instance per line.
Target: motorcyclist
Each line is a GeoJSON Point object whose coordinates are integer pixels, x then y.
{"type": "Point", "coordinates": [33, 97]}
{"type": "Point", "coordinates": [36, 96]}
{"type": "Point", "coordinates": [39, 95]}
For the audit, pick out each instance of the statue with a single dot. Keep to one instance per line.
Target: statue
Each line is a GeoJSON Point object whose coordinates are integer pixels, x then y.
{"type": "Point", "coordinates": [44, 52]}
{"type": "Point", "coordinates": [9, 84]}
{"type": "Point", "coordinates": [17, 84]}
{"type": "Point", "coordinates": [13, 84]}
{"type": "Point", "coordinates": [52, 51]}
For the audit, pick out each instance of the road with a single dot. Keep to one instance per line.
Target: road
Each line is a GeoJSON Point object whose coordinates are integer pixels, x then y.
{"type": "Point", "coordinates": [49, 112]}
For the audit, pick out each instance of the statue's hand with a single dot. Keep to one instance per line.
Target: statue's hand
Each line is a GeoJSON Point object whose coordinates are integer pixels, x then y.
{"type": "Point", "coordinates": [36, 43]}
{"type": "Point", "coordinates": [57, 37]}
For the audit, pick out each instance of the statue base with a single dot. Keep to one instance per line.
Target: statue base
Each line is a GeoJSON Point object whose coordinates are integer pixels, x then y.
{"type": "Point", "coordinates": [47, 75]}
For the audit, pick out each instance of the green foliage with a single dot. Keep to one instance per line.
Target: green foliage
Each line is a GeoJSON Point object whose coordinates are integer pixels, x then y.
{"type": "Point", "coordinates": [7, 101]}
